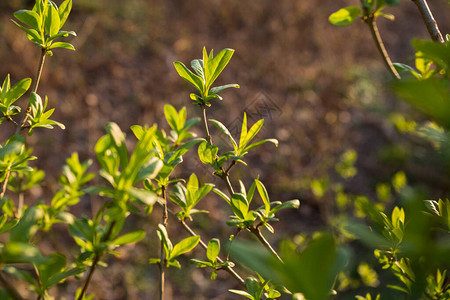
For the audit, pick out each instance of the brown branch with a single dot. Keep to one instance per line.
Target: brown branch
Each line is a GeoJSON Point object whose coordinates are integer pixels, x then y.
{"type": "Point", "coordinates": [429, 20]}
{"type": "Point", "coordinates": [262, 239]}
{"type": "Point", "coordinates": [369, 19]}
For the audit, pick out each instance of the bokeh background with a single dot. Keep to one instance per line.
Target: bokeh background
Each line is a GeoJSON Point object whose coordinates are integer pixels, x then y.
{"type": "Point", "coordinates": [322, 90]}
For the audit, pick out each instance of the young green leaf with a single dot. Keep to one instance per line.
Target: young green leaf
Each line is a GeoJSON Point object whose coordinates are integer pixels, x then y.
{"type": "Point", "coordinates": [64, 11]}
{"type": "Point", "coordinates": [30, 18]}
{"type": "Point", "coordinates": [213, 250]}
{"type": "Point", "coordinates": [52, 21]}
{"type": "Point", "coordinates": [345, 16]}
{"type": "Point", "coordinates": [264, 195]}
{"type": "Point", "coordinates": [62, 45]}
{"type": "Point", "coordinates": [190, 77]}
{"type": "Point", "coordinates": [129, 238]}
{"type": "Point", "coordinates": [184, 246]}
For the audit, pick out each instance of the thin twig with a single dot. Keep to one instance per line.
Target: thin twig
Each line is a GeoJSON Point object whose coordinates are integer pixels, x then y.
{"type": "Point", "coordinates": [97, 258]}
{"type": "Point", "coordinates": [5, 183]}
{"type": "Point", "coordinates": [429, 20]}
{"type": "Point", "coordinates": [205, 124]}
{"type": "Point", "coordinates": [257, 232]}
{"type": "Point", "coordinates": [34, 89]}
{"type": "Point", "coordinates": [162, 257]}
{"type": "Point", "coordinates": [10, 288]}
{"type": "Point", "coordinates": [369, 19]}
{"type": "Point", "coordinates": [203, 244]}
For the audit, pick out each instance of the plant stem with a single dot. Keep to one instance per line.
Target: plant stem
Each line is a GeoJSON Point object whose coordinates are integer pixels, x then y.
{"type": "Point", "coordinates": [5, 184]}
{"type": "Point", "coordinates": [429, 20]}
{"type": "Point", "coordinates": [205, 124]}
{"type": "Point", "coordinates": [97, 258]}
{"type": "Point", "coordinates": [162, 257]}
{"type": "Point", "coordinates": [370, 21]}
{"type": "Point", "coordinates": [225, 176]}
{"type": "Point", "coordinates": [34, 89]}
{"type": "Point", "coordinates": [262, 239]}
{"type": "Point", "coordinates": [13, 293]}
{"type": "Point", "coordinates": [203, 244]}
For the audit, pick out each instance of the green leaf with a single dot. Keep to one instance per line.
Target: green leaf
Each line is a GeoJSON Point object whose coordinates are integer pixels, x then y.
{"type": "Point", "coordinates": [207, 153]}
{"type": "Point", "coordinates": [197, 66]}
{"type": "Point", "coordinates": [213, 250]}
{"type": "Point", "coordinates": [150, 169]}
{"type": "Point", "coordinates": [429, 96]}
{"type": "Point", "coordinates": [144, 196]}
{"type": "Point", "coordinates": [190, 77]}
{"type": "Point", "coordinates": [32, 34]}
{"type": "Point", "coordinates": [239, 205]}
{"type": "Point", "coordinates": [404, 68]}
{"type": "Point", "coordinates": [64, 11]}
{"type": "Point", "coordinates": [27, 226]}
{"type": "Point", "coordinates": [54, 264]}
{"type": "Point", "coordinates": [184, 246]}
{"type": "Point", "coordinates": [17, 91]}
{"type": "Point", "coordinates": [118, 137]}
{"type": "Point", "coordinates": [242, 293]}
{"type": "Point", "coordinates": [138, 131]}
{"type": "Point", "coordinates": [172, 117]}
{"type": "Point", "coordinates": [250, 147]}
{"type": "Point", "coordinates": [62, 45]}
{"type": "Point", "coordinates": [222, 194]}
{"type": "Point", "coordinates": [264, 195]}
{"type": "Point", "coordinates": [164, 237]}
{"type": "Point", "coordinates": [437, 52]}
{"type": "Point", "coordinates": [215, 66]}
{"type": "Point", "coordinates": [288, 204]}
{"type": "Point", "coordinates": [20, 252]}
{"type": "Point", "coordinates": [251, 134]}
{"type": "Point", "coordinates": [225, 131]}
{"type": "Point", "coordinates": [30, 18]}
{"type": "Point", "coordinates": [52, 22]}
{"type": "Point", "coordinates": [218, 89]}
{"type": "Point", "coordinates": [5, 86]}
{"type": "Point", "coordinates": [345, 16]}
{"type": "Point", "coordinates": [129, 238]}
{"type": "Point", "coordinates": [64, 275]}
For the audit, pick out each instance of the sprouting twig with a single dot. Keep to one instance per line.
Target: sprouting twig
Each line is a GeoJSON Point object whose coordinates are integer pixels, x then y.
{"type": "Point", "coordinates": [429, 20]}
{"type": "Point", "coordinates": [95, 262]}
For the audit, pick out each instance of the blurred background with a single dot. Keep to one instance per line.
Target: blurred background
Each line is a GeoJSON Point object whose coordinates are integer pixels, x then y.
{"type": "Point", "coordinates": [322, 91]}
